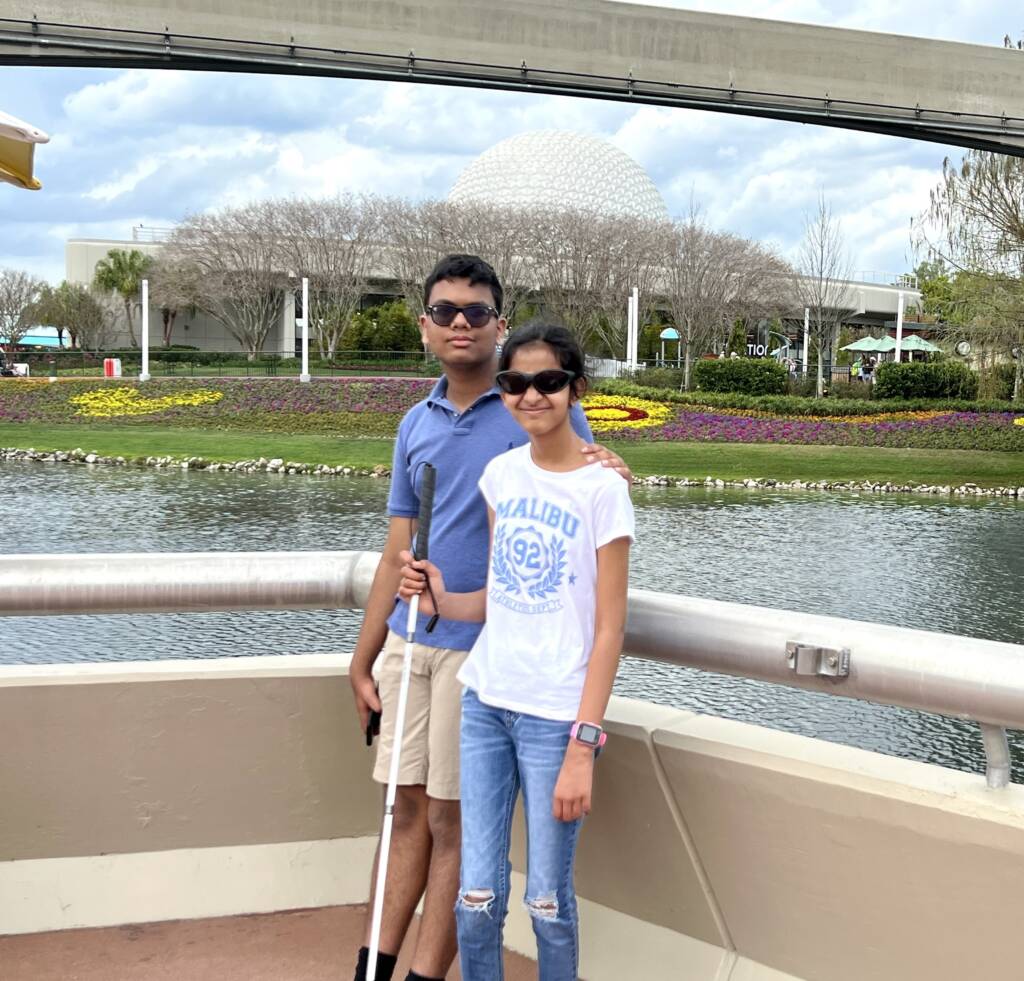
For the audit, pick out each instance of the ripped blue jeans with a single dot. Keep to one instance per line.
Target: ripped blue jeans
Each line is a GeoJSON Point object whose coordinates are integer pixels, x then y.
{"type": "Point", "coordinates": [501, 753]}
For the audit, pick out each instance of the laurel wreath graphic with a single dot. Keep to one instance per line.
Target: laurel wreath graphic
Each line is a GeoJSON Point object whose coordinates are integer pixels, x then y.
{"type": "Point", "coordinates": [503, 574]}
{"type": "Point", "coordinates": [552, 579]}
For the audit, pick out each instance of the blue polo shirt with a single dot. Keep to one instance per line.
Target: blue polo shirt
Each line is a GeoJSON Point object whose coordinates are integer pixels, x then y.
{"type": "Point", "coordinates": [459, 445]}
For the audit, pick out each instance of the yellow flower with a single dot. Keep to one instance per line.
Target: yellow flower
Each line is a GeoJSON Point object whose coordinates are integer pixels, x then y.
{"type": "Point", "coordinates": [107, 403]}
{"type": "Point", "coordinates": [610, 412]}
{"type": "Point", "coordinates": [1019, 421]}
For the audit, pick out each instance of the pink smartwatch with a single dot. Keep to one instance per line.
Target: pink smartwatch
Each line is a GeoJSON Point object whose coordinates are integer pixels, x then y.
{"type": "Point", "coordinates": [589, 734]}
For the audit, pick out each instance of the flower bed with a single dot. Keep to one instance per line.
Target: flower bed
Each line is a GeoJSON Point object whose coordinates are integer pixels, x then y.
{"type": "Point", "coordinates": [609, 413]}
{"type": "Point", "coordinates": [367, 407]}
{"type": "Point", "coordinates": [946, 430]}
{"type": "Point", "coordinates": [372, 407]}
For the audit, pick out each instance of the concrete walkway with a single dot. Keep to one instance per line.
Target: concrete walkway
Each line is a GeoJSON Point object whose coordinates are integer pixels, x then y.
{"type": "Point", "coordinates": [302, 945]}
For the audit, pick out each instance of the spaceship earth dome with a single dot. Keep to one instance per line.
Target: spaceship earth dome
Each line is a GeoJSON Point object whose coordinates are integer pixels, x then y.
{"type": "Point", "coordinates": [556, 169]}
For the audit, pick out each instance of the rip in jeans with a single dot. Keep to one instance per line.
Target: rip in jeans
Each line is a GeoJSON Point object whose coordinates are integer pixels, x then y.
{"type": "Point", "coordinates": [477, 900]}
{"type": "Point", "coordinates": [543, 907]}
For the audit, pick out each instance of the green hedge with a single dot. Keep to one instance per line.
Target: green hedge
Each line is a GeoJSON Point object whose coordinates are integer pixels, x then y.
{"type": "Point", "coordinates": [747, 376]}
{"type": "Point", "coordinates": [925, 380]}
{"type": "Point", "coordinates": [794, 405]}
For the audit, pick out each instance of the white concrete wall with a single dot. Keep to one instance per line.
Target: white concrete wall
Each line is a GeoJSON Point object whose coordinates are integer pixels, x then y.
{"type": "Point", "coordinates": [716, 851]}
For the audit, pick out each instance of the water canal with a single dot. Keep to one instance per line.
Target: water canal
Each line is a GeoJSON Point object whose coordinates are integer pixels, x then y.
{"type": "Point", "coordinates": [953, 566]}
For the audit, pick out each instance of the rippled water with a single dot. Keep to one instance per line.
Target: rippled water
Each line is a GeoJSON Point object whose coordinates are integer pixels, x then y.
{"type": "Point", "coordinates": [924, 563]}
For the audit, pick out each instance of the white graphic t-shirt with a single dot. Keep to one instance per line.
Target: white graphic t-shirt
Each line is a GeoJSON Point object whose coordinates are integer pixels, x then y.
{"type": "Point", "coordinates": [532, 654]}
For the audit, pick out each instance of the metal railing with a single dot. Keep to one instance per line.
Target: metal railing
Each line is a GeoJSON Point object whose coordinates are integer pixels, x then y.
{"type": "Point", "coordinates": [170, 363]}
{"type": "Point", "coordinates": [962, 677]}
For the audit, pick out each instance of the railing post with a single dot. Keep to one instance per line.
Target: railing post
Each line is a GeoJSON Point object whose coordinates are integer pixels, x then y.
{"type": "Point", "coordinates": [997, 755]}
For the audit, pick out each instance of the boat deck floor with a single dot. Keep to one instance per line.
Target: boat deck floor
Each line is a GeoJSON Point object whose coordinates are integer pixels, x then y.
{"type": "Point", "coordinates": [299, 945]}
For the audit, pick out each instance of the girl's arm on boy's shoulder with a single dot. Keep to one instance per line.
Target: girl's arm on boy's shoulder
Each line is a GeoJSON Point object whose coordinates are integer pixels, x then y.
{"type": "Point", "coordinates": [575, 780]}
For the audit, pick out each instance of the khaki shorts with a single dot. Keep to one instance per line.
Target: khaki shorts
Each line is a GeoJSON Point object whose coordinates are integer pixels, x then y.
{"type": "Point", "coordinates": [430, 742]}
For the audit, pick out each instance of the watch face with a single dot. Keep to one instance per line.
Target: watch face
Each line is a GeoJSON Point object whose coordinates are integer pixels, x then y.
{"type": "Point", "coordinates": [588, 734]}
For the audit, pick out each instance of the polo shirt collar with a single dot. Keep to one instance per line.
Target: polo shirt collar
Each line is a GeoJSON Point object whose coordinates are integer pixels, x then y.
{"type": "Point", "coordinates": [439, 395]}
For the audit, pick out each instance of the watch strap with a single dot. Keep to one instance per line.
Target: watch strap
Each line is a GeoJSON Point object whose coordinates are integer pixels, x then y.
{"type": "Point", "coordinates": [574, 734]}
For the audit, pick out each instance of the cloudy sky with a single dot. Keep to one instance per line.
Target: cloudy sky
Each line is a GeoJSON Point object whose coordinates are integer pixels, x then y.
{"type": "Point", "coordinates": [147, 147]}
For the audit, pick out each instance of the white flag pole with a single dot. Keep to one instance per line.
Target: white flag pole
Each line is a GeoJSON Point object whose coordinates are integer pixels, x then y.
{"type": "Point", "coordinates": [304, 377]}
{"type": "Point", "coordinates": [144, 373]}
{"type": "Point", "coordinates": [636, 326]}
{"type": "Point", "coordinates": [899, 325]}
{"type": "Point", "coordinates": [807, 329]}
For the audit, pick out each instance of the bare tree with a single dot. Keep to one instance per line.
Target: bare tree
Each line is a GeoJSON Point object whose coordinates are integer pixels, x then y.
{"type": "Point", "coordinates": [975, 222]}
{"type": "Point", "coordinates": [173, 286]}
{"type": "Point", "coordinates": [636, 253]}
{"type": "Point", "coordinates": [18, 292]}
{"type": "Point", "coordinates": [418, 235]}
{"type": "Point", "coordinates": [573, 260]}
{"type": "Point", "coordinates": [240, 282]}
{"type": "Point", "coordinates": [413, 243]}
{"type": "Point", "coordinates": [712, 279]}
{"type": "Point", "coordinates": [823, 285]}
{"type": "Point", "coordinates": [334, 243]}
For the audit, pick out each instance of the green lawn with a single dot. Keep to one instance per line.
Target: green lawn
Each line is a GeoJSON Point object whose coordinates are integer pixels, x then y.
{"type": "Point", "coordinates": [728, 461]}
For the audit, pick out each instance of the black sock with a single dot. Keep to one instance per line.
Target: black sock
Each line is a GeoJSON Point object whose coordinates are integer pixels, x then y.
{"type": "Point", "coordinates": [385, 965]}
{"type": "Point", "coordinates": [413, 976]}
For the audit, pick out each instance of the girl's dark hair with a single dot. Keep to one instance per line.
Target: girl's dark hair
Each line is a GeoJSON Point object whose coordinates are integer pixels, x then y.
{"type": "Point", "coordinates": [556, 337]}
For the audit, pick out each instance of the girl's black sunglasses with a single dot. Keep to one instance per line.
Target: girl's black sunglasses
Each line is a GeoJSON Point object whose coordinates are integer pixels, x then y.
{"type": "Point", "coordinates": [476, 314]}
{"type": "Point", "coordinates": [546, 382]}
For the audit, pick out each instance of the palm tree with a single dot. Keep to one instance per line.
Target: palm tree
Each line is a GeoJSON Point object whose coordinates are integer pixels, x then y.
{"type": "Point", "coordinates": [122, 272]}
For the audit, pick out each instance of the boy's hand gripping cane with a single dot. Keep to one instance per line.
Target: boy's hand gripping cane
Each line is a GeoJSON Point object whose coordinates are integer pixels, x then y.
{"type": "Point", "coordinates": [420, 551]}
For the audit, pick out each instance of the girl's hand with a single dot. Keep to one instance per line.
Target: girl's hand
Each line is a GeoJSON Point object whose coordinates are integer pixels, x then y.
{"type": "Point", "coordinates": [575, 780]}
{"type": "Point", "coordinates": [414, 582]}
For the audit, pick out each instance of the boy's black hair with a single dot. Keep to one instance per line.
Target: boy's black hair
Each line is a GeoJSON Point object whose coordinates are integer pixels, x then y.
{"type": "Point", "coordinates": [471, 267]}
{"type": "Point", "coordinates": [559, 339]}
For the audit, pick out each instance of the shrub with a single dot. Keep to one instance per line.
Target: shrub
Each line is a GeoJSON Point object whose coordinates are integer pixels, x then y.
{"type": "Point", "coordinates": [658, 377]}
{"type": "Point", "coordinates": [388, 327]}
{"type": "Point", "coordinates": [749, 376]}
{"type": "Point", "coordinates": [997, 382]}
{"type": "Point", "coordinates": [923, 380]}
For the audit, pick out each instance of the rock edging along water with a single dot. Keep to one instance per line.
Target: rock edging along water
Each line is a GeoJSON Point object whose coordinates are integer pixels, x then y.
{"type": "Point", "coordinates": [280, 466]}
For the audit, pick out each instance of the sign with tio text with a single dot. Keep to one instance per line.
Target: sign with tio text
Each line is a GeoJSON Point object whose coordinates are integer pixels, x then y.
{"type": "Point", "coordinates": [757, 350]}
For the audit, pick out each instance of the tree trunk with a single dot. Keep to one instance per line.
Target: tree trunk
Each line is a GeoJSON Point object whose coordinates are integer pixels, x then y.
{"type": "Point", "coordinates": [687, 365]}
{"type": "Point", "coordinates": [131, 326]}
{"type": "Point", "coordinates": [819, 388]}
{"type": "Point", "coordinates": [169, 317]}
{"type": "Point", "coordinates": [1018, 380]}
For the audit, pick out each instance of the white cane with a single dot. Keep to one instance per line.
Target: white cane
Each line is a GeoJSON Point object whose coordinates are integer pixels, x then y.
{"type": "Point", "coordinates": [422, 542]}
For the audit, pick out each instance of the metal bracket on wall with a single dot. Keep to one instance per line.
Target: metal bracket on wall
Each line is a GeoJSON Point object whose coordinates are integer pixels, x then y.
{"type": "Point", "coordinates": [829, 662]}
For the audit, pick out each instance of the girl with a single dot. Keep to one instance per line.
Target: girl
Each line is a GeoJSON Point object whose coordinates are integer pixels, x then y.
{"type": "Point", "coordinates": [539, 677]}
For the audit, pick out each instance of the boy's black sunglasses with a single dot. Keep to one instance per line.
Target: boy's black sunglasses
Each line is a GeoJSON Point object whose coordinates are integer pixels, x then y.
{"type": "Point", "coordinates": [476, 314]}
{"type": "Point", "coordinates": [546, 382]}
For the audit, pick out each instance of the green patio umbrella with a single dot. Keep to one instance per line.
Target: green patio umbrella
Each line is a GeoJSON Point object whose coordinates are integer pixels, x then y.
{"type": "Point", "coordinates": [872, 345]}
{"type": "Point", "coordinates": [915, 343]}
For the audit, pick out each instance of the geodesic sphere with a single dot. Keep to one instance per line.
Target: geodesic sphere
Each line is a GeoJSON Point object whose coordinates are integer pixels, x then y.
{"type": "Point", "coordinates": [555, 169]}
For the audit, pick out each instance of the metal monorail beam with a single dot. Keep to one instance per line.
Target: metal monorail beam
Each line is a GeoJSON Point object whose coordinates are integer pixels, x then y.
{"type": "Point", "coordinates": [943, 91]}
{"type": "Point", "coordinates": [962, 677]}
